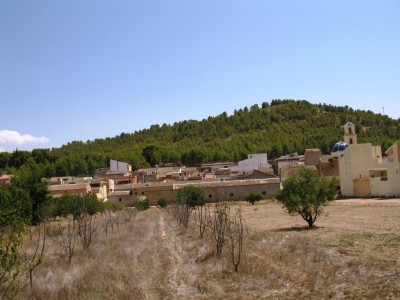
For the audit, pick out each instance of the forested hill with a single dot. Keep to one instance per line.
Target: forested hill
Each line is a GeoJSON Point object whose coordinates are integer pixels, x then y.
{"type": "Point", "coordinates": [279, 127]}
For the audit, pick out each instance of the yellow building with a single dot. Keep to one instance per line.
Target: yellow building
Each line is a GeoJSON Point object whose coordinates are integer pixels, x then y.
{"type": "Point", "coordinates": [362, 171]}
{"type": "Point", "coordinates": [385, 180]}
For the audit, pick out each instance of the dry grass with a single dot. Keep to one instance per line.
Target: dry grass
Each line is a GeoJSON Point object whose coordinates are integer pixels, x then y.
{"type": "Point", "coordinates": [149, 256]}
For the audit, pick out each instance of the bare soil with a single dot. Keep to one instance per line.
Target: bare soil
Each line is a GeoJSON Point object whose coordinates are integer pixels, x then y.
{"type": "Point", "coordinates": [353, 253]}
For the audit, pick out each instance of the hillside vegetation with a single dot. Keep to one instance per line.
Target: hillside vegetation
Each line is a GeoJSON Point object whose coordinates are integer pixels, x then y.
{"type": "Point", "coordinates": [279, 127]}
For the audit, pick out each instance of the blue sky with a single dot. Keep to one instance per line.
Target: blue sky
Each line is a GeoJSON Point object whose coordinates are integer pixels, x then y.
{"type": "Point", "coordinates": [80, 70]}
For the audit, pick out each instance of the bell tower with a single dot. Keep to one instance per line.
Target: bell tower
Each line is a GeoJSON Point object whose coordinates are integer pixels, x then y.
{"type": "Point", "coordinates": [350, 136]}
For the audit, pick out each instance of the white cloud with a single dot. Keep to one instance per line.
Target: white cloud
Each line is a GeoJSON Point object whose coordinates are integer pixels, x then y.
{"type": "Point", "coordinates": [14, 137]}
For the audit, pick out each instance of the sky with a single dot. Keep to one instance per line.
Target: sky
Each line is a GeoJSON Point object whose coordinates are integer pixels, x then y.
{"type": "Point", "coordinates": [87, 69]}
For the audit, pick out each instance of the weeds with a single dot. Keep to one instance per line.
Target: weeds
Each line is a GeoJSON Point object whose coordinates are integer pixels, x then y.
{"type": "Point", "coordinates": [154, 257]}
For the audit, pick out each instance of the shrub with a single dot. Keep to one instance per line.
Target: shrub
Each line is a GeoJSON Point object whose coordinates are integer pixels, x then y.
{"type": "Point", "coordinates": [142, 205]}
{"type": "Point", "coordinates": [162, 203]}
{"type": "Point", "coordinates": [306, 194]}
{"type": "Point", "coordinates": [75, 205]}
{"type": "Point", "coordinates": [187, 199]}
{"type": "Point", "coordinates": [253, 197]}
{"type": "Point", "coordinates": [108, 206]}
{"type": "Point", "coordinates": [14, 215]}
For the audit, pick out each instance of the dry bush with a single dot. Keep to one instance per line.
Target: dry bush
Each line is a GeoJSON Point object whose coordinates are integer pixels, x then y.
{"type": "Point", "coordinates": [103, 271]}
{"type": "Point", "coordinates": [65, 236]}
{"type": "Point", "coordinates": [236, 235]}
{"type": "Point", "coordinates": [32, 251]}
{"type": "Point", "coordinates": [217, 225]}
{"type": "Point", "coordinates": [201, 219]}
{"type": "Point", "coordinates": [153, 257]}
{"type": "Point", "coordinates": [86, 227]}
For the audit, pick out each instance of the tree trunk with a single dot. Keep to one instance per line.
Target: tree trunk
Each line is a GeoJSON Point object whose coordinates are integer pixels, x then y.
{"type": "Point", "coordinates": [310, 222]}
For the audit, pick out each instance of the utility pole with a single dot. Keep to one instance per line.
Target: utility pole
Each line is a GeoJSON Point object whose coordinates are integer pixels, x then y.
{"type": "Point", "coordinates": [383, 109]}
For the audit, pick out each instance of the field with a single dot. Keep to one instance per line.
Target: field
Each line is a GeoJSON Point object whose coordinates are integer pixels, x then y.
{"type": "Point", "coordinates": [352, 253]}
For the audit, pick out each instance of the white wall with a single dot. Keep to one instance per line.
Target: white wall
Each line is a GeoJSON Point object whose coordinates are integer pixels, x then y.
{"type": "Point", "coordinates": [253, 162]}
{"type": "Point", "coordinates": [120, 166]}
{"type": "Point", "coordinates": [355, 163]}
{"type": "Point", "coordinates": [391, 186]}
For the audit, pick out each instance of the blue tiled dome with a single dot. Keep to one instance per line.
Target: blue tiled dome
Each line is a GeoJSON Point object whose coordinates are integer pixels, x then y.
{"type": "Point", "coordinates": [339, 146]}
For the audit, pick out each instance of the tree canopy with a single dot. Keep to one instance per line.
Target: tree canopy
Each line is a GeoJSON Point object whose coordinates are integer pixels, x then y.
{"type": "Point", "coordinates": [278, 128]}
{"type": "Point", "coordinates": [191, 196]}
{"type": "Point", "coordinates": [306, 194]}
{"type": "Point", "coordinates": [253, 197]}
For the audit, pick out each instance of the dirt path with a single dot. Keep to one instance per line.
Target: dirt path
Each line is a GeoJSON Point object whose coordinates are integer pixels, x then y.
{"type": "Point", "coordinates": [164, 267]}
{"type": "Point", "coordinates": [352, 254]}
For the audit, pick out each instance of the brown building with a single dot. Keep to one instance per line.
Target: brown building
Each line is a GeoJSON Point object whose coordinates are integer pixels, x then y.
{"type": "Point", "coordinates": [214, 191]}
{"type": "Point", "coordinates": [80, 189]}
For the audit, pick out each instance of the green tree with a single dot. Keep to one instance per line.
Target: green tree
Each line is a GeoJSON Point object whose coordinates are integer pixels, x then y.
{"type": "Point", "coordinates": [14, 208]}
{"type": "Point", "coordinates": [194, 157]}
{"type": "Point", "coordinates": [306, 194]}
{"type": "Point", "coordinates": [142, 205]}
{"type": "Point", "coordinates": [187, 199]}
{"type": "Point", "coordinates": [162, 203]}
{"type": "Point", "coordinates": [191, 196]}
{"type": "Point", "coordinates": [253, 197]}
{"type": "Point", "coordinates": [150, 155]}
{"type": "Point", "coordinates": [37, 188]}
{"type": "Point", "coordinates": [74, 205]}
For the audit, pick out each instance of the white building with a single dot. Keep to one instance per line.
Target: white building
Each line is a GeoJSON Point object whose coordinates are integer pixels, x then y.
{"type": "Point", "coordinates": [253, 162]}
{"type": "Point", "coordinates": [355, 166]}
{"type": "Point", "coordinates": [121, 167]}
{"type": "Point", "coordinates": [385, 180]}
{"type": "Point", "coordinates": [362, 173]}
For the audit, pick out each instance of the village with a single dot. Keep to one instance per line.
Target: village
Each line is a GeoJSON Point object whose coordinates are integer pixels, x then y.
{"type": "Point", "coordinates": [361, 168]}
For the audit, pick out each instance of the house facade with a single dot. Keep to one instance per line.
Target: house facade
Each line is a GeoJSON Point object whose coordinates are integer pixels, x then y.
{"type": "Point", "coordinates": [213, 191]}
{"type": "Point", "coordinates": [79, 189]}
{"type": "Point", "coordinates": [385, 180]}
{"type": "Point", "coordinates": [354, 167]}
{"type": "Point", "coordinates": [361, 171]}
{"type": "Point", "coordinates": [253, 162]}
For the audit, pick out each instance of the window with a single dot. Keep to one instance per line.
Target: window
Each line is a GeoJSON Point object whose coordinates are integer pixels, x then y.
{"type": "Point", "coordinates": [382, 174]}
{"type": "Point", "coordinates": [120, 199]}
{"type": "Point", "coordinates": [142, 193]}
{"type": "Point", "coordinates": [349, 130]}
{"type": "Point", "coordinates": [210, 196]}
{"type": "Point", "coordinates": [351, 141]}
{"type": "Point", "coordinates": [264, 192]}
{"type": "Point", "coordinates": [231, 194]}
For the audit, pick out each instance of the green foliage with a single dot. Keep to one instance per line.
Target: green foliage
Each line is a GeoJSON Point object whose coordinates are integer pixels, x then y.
{"type": "Point", "coordinates": [142, 205]}
{"type": "Point", "coordinates": [278, 128]}
{"type": "Point", "coordinates": [306, 194]}
{"type": "Point", "coordinates": [191, 196]}
{"type": "Point", "coordinates": [150, 155]}
{"type": "Point", "coordinates": [253, 197]}
{"type": "Point", "coordinates": [108, 206]}
{"type": "Point", "coordinates": [14, 215]}
{"type": "Point", "coordinates": [76, 205]}
{"type": "Point", "coordinates": [32, 182]}
{"type": "Point", "coordinates": [162, 203]}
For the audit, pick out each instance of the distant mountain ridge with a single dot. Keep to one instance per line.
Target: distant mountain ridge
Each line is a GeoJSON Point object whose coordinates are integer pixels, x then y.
{"type": "Point", "coordinates": [277, 128]}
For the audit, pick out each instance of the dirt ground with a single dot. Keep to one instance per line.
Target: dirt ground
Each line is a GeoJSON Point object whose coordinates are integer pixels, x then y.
{"type": "Point", "coordinates": [367, 226]}
{"type": "Point", "coordinates": [353, 253]}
